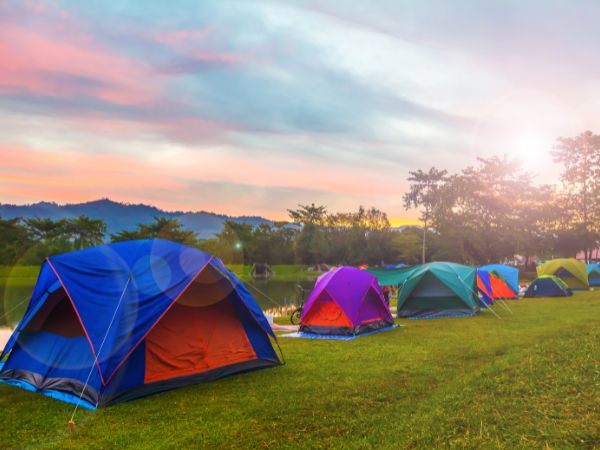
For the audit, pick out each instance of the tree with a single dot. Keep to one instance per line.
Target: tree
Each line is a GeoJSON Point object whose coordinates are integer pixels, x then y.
{"type": "Point", "coordinates": [15, 239]}
{"type": "Point", "coordinates": [162, 228]}
{"type": "Point", "coordinates": [309, 214]}
{"type": "Point", "coordinates": [424, 193]}
{"type": "Point", "coordinates": [85, 232]}
{"type": "Point", "coordinates": [489, 201]}
{"type": "Point", "coordinates": [46, 229]}
{"type": "Point", "coordinates": [311, 245]}
{"type": "Point", "coordinates": [238, 238]}
{"type": "Point", "coordinates": [580, 159]}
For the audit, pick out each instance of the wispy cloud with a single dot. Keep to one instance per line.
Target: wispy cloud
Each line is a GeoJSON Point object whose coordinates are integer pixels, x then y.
{"type": "Point", "coordinates": [252, 107]}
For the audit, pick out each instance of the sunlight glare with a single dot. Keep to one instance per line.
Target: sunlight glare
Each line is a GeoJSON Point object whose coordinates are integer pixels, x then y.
{"type": "Point", "coordinates": [531, 149]}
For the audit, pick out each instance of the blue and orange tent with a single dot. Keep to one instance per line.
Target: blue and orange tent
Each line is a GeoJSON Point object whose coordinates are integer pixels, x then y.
{"type": "Point", "coordinates": [503, 281]}
{"type": "Point", "coordinates": [120, 321]}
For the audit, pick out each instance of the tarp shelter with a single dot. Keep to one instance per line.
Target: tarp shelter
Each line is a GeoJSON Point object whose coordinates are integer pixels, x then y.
{"type": "Point", "coordinates": [120, 321]}
{"type": "Point", "coordinates": [570, 270]}
{"type": "Point", "coordinates": [593, 271]}
{"type": "Point", "coordinates": [484, 287]}
{"type": "Point", "coordinates": [388, 277]}
{"type": "Point", "coordinates": [547, 286]}
{"type": "Point", "coordinates": [438, 289]}
{"type": "Point", "coordinates": [345, 301]}
{"type": "Point", "coordinates": [509, 277]}
{"type": "Point", "coordinates": [395, 266]}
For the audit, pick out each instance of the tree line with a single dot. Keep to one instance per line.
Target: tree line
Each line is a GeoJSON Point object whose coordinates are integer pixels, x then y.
{"type": "Point", "coordinates": [493, 211]}
{"type": "Point", "coordinates": [487, 212]}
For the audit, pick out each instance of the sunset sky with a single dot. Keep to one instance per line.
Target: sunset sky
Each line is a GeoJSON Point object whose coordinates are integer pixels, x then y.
{"type": "Point", "coordinates": [251, 107]}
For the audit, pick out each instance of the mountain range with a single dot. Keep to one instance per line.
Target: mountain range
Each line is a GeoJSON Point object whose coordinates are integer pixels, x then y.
{"type": "Point", "coordinates": [124, 216]}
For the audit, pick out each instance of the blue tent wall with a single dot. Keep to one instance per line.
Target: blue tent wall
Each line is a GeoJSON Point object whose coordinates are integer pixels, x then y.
{"type": "Point", "coordinates": [485, 278]}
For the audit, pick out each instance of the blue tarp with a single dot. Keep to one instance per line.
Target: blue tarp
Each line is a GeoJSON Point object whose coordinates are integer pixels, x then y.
{"type": "Point", "coordinates": [300, 334]}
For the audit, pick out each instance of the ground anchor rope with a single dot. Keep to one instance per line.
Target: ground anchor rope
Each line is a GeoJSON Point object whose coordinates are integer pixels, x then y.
{"type": "Point", "coordinates": [71, 423]}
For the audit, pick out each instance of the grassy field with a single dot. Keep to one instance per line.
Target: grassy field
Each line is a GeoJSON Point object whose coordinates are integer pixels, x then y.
{"type": "Point", "coordinates": [530, 380]}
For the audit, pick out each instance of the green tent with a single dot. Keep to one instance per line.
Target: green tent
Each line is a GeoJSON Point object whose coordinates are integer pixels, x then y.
{"type": "Point", "coordinates": [438, 289]}
{"type": "Point", "coordinates": [389, 277]}
{"type": "Point", "coordinates": [570, 270]}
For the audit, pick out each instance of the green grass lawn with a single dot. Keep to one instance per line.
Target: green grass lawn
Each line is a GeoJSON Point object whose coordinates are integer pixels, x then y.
{"type": "Point", "coordinates": [530, 380]}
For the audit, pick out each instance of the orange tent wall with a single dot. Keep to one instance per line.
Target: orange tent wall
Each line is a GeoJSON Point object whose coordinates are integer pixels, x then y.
{"type": "Point", "coordinates": [190, 340]}
{"type": "Point", "coordinates": [326, 313]}
{"type": "Point", "coordinates": [499, 288]}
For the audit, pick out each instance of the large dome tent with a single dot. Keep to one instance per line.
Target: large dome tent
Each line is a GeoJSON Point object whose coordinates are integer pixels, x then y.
{"type": "Point", "coordinates": [438, 289]}
{"type": "Point", "coordinates": [345, 302]}
{"type": "Point", "coordinates": [120, 321]}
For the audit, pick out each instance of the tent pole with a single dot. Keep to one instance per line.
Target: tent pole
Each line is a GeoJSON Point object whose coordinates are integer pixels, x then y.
{"type": "Point", "coordinates": [475, 292]}
{"type": "Point", "coordinates": [505, 305]}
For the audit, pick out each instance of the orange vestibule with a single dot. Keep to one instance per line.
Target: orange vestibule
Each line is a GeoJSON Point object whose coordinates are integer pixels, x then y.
{"type": "Point", "coordinates": [327, 313]}
{"type": "Point", "coordinates": [190, 340]}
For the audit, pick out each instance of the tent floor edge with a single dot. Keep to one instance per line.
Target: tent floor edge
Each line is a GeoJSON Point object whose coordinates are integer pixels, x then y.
{"type": "Point", "coordinates": [414, 314]}
{"type": "Point", "coordinates": [65, 390]}
{"type": "Point", "coordinates": [174, 383]}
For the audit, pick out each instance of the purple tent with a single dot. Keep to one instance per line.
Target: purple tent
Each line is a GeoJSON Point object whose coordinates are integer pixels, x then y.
{"type": "Point", "coordinates": [345, 301]}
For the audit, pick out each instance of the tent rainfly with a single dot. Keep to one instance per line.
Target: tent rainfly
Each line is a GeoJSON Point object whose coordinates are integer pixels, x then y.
{"type": "Point", "coordinates": [116, 322]}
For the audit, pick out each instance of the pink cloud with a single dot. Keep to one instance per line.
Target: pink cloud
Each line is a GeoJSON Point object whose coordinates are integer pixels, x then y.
{"type": "Point", "coordinates": [177, 180]}
{"type": "Point", "coordinates": [34, 61]}
{"type": "Point", "coordinates": [187, 42]}
{"type": "Point", "coordinates": [182, 39]}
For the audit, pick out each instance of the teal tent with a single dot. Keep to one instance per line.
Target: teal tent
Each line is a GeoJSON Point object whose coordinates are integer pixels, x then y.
{"type": "Point", "coordinates": [438, 289]}
{"type": "Point", "coordinates": [388, 277]}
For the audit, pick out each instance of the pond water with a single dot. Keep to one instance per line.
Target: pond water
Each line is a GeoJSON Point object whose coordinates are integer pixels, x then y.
{"type": "Point", "coordinates": [273, 296]}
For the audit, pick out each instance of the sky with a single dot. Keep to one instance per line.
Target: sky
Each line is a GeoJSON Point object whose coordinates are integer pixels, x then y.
{"type": "Point", "coordinates": [253, 107]}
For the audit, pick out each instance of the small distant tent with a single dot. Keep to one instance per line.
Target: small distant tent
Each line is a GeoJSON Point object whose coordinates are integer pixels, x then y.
{"type": "Point", "coordinates": [504, 280]}
{"type": "Point", "coordinates": [395, 266]}
{"type": "Point", "coordinates": [570, 270]}
{"type": "Point", "coordinates": [321, 267]}
{"type": "Point", "coordinates": [438, 289]}
{"type": "Point", "coordinates": [593, 271]}
{"type": "Point", "coordinates": [116, 322]}
{"type": "Point", "coordinates": [548, 286]}
{"type": "Point", "coordinates": [261, 271]}
{"type": "Point", "coordinates": [345, 302]}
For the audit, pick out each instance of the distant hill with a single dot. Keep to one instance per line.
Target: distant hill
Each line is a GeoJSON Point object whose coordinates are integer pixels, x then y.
{"type": "Point", "coordinates": [123, 216]}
